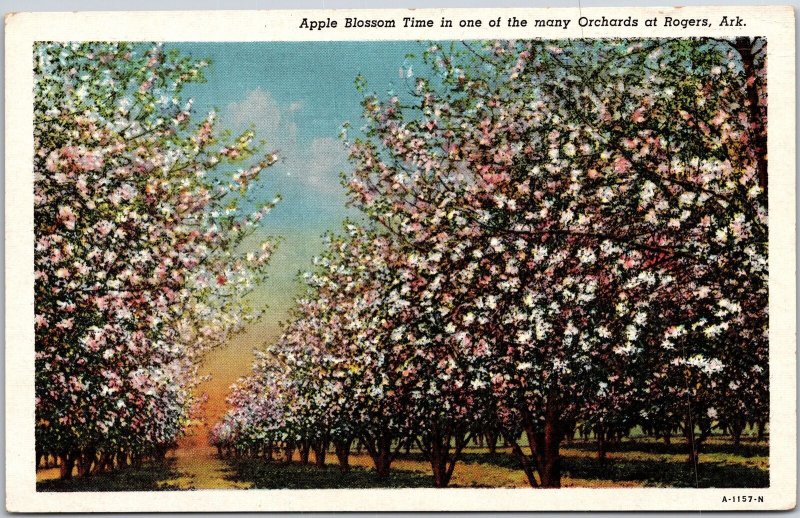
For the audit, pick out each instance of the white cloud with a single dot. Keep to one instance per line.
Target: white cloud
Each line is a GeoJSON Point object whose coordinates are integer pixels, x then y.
{"type": "Point", "coordinates": [310, 165]}
{"type": "Point", "coordinates": [327, 156]}
{"type": "Point", "coordinates": [259, 108]}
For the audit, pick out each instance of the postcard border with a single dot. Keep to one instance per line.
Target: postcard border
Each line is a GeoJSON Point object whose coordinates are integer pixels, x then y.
{"type": "Point", "coordinates": [775, 23]}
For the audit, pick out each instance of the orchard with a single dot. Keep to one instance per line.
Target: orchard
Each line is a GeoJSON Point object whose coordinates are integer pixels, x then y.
{"type": "Point", "coordinates": [554, 239]}
{"type": "Point", "coordinates": [558, 236]}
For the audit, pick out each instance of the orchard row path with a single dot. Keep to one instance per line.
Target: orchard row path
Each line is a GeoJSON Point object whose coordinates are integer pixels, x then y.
{"type": "Point", "coordinates": [198, 467]}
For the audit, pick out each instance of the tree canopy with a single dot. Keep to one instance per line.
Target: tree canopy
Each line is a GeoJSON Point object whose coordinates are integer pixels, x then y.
{"type": "Point", "coordinates": [140, 214]}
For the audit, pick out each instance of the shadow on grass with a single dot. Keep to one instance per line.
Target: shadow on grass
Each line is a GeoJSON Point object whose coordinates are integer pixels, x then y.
{"type": "Point", "coordinates": [745, 449]}
{"type": "Point", "coordinates": [648, 472]}
{"type": "Point", "coordinates": [150, 477]}
{"type": "Point", "coordinates": [276, 475]}
{"type": "Point", "coordinates": [667, 474]}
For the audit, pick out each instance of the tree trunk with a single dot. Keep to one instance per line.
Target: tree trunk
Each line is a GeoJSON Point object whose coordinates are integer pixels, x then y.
{"type": "Point", "coordinates": [744, 45]}
{"type": "Point", "coordinates": [109, 462]}
{"type": "Point", "coordinates": [380, 449]}
{"type": "Point", "coordinates": [694, 453]}
{"type": "Point", "coordinates": [736, 428]}
{"type": "Point", "coordinates": [122, 459]}
{"type": "Point", "coordinates": [491, 441]}
{"type": "Point", "coordinates": [550, 472]}
{"type": "Point", "coordinates": [439, 467]}
{"type": "Point", "coordinates": [569, 430]}
{"type": "Point", "coordinates": [436, 445]}
{"type": "Point", "coordinates": [383, 461]}
{"type": "Point", "coordinates": [85, 461]}
{"type": "Point", "coordinates": [695, 445]}
{"type": "Point", "coordinates": [66, 465]}
{"type": "Point", "coordinates": [761, 430]}
{"type": "Point", "coordinates": [343, 453]}
{"type": "Point", "coordinates": [289, 452]}
{"type": "Point", "coordinates": [305, 450]}
{"type": "Point", "coordinates": [602, 446]}
{"type": "Point", "coordinates": [160, 453]}
{"type": "Point", "coordinates": [81, 468]}
{"type": "Point", "coordinates": [523, 460]}
{"type": "Point", "coordinates": [383, 464]}
{"type": "Point", "coordinates": [102, 463]}
{"type": "Point", "coordinates": [268, 451]}
{"type": "Point", "coordinates": [320, 450]}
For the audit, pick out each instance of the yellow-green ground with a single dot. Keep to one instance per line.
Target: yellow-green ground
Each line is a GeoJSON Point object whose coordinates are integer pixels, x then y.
{"type": "Point", "coordinates": [637, 463]}
{"type": "Point", "coordinates": [196, 467]}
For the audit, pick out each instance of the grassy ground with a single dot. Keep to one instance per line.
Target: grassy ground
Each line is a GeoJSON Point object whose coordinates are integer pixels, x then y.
{"type": "Point", "coordinates": [265, 475]}
{"type": "Point", "coordinates": [151, 477]}
{"type": "Point", "coordinates": [644, 463]}
{"type": "Point", "coordinates": [640, 463]}
{"type": "Point", "coordinates": [192, 466]}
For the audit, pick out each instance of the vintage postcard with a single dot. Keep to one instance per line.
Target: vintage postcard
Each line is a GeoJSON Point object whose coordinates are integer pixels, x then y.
{"type": "Point", "coordinates": [386, 260]}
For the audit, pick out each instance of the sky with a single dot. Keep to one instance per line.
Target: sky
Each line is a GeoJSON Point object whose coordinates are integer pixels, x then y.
{"type": "Point", "coordinates": [296, 95]}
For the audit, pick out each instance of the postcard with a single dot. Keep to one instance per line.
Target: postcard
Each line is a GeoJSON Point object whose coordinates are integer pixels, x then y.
{"type": "Point", "coordinates": [401, 260]}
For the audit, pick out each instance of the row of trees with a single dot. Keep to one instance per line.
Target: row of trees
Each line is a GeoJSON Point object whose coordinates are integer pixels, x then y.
{"type": "Point", "coordinates": [558, 233]}
{"type": "Point", "coordinates": [139, 223]}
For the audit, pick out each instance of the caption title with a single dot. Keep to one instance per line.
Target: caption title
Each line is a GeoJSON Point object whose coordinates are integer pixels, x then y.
{"type": "Point", "coordinates": [411, 22]}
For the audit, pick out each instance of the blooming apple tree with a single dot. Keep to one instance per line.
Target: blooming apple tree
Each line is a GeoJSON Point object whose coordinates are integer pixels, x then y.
{"type": "Point", "coordinates": [369, 358]}
{"type": "Point", "coordinates": [140, 265]}
{"type": "Point", "coordinates": [601, 209]}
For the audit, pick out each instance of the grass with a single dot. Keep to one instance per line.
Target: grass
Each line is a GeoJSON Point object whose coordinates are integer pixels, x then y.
{"type": "Point", "coordinates": [642, 462]}
{"type": "Point", "coordinates": [276, 475]}
{"type": "Point", "coordinates": [150, 477]}
{"type": "Point", "coordinates": [651, 446]}
{"type": "Point", "coordinates": [643, 472]}
{"type": "Point", "coordinates": [666, 474]}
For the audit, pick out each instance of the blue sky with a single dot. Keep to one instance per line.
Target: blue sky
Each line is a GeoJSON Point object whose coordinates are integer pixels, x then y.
{"type": "Point", "coordinates": [296, 95]}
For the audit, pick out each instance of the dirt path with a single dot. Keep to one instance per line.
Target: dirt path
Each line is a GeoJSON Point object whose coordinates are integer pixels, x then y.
{"type": "Point", "coordinates": [199, 468]}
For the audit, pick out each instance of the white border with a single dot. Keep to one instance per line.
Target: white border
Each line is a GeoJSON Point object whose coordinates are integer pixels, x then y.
{"type": "Point", "coordinates": [775, 23]}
